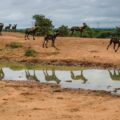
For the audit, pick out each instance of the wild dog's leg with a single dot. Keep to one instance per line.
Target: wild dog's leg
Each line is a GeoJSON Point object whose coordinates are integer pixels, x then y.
{"type": "Point", "coordinates": [53, 42]}
{"type": "Point", "coordinates": [33, 36]}
{"type": "Point", "coordinates": [46, 41]}
{"type": "Point", "coordinates": [109, 44]}
{"type": "Point", "coordinates": [117, 47]}
{"type": "Point", "coordinates": [43, 43]}
{"type": "Point", "coordinates": [28, 36]}
{"type": "Point", "coordinates": [114, 46]}
{"type": "Point", "coordinates": [25, 37]}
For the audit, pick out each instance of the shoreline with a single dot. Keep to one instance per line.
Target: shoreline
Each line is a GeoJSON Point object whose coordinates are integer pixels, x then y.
{"type": "Point", "coordinates": [86, 52]}
{"type": "Point", "coordinates": [63, 63]}
{"type": "Point", "coordinates": [23, 100]}
{"type": "Point", "coordinates": [56, 88]}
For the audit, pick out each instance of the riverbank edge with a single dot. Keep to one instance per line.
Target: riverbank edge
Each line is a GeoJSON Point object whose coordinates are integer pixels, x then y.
{"type": "Point", "coordinates": [62, 63]}
{"type": "Point", "coordinates": [55, 88]}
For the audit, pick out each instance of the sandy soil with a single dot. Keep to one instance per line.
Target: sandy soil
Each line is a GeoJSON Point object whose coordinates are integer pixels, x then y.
{"type": "Point", "coordinates": [70, 51]}
{"type": "Point", "coordinates": [31, 101]}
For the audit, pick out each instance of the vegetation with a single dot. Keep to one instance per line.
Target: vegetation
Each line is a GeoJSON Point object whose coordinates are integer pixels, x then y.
{"type": "Point", "coordinates": [117, 31]}
{"type": "Point", "coordinates": [30, 52]}
{"type": "Point", "coordinates": [98, 33]}
{"type": "Point", "coordinates": [89, 32]}
{"type": "Point", "coordinates": [63, 30]}
{"type": "Point", "coordinates": [14, 45]}
{"type": "Point", "coordinates": [20, 66]}
{"type": "Point", "coordinates": [46, 27]}
{"type": "Point", "coordinates": [45, 24]}
{"type": "Point", "coordinates": [20, 30]}
{"type": "Point", "coordinates": [104, 33]}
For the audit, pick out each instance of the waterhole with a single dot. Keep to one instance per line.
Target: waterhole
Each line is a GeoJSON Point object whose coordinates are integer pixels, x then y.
{"type": "Point", "coordinates": [90, 79]}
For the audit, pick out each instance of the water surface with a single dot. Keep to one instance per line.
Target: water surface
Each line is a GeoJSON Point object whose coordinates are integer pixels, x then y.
{"type": "Point", "coordinates": [92, 79]}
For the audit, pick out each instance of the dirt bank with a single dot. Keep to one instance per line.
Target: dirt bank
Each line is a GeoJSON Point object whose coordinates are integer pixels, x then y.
{"type": "Point", "coordinates": [31, 101]}
{"type": "Point", "coordinates": [70, 51]}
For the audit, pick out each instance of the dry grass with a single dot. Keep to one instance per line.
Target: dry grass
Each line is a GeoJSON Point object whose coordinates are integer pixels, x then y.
{"type": "Point", "coordinates": [90, 50]}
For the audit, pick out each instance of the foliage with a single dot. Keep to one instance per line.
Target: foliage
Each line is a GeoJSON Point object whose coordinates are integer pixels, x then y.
{"type": "Point", "coordinates": [37, 66]}
{"type": "Point", "coordinates": [20, 30]}
{"type": "Point", "coordinates": [46, 27]}
{"type": "Point", "coordinates": [117, 31]}
{"type": "Point", "coordinates": [63, 30]}
{"type": "Point", "coordinates": [45, 24]}
{"type": "Point", "coordinates": [30, 52]}
{"type": "Point", "coordinates": [14, 45]}
{"type": "Point", "coordinates": [104, 34]}
{"type": "Point", "coordinates": [89, 32]}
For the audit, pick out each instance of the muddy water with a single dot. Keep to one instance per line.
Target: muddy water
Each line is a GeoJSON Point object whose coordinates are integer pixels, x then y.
{"type": "Point", "coordinates": [92, 79]}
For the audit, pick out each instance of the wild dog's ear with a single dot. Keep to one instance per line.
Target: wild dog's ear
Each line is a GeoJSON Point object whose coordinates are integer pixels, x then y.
{"type": "Point", "coordinates": [84, 24]}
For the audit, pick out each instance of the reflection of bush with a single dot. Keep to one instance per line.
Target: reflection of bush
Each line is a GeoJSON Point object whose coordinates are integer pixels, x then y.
{"type": "Point", "coordinates": [1, 74]}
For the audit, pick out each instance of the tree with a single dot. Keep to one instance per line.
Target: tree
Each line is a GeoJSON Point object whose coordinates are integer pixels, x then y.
{"type": "Point", "coordinates": [89, 32]}
{"type": "Point", "coordinates": [45, 24]}
{"type": "Point", "coordinates": [64, 30]}
{"type": "Point", "coordinates": [117, 31]}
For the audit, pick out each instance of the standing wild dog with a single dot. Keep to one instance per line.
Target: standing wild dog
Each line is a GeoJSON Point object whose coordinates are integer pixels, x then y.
{"type": "Point", "coordinates": [1, 27]}
{"type": "Point", "coordinates": [7, 28]}
{"type": "Point", "coordinates": [115, 41]}
{"type": "Point", "coordinates": [78, 29]}
{"type": "Point", "coordinates": [31, 31]}
{"type": "Point", "coordinates": [14, 27]}
{"type": "Point", "coordinates": [50, 37]}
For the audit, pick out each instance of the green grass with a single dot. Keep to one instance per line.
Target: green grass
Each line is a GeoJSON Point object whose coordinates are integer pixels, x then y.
{"type": "Point", "coordinates": [30, 52]}
{"type": "Point", "coordinates": [20, 66]}
{"type": "Point", "coordinates": [14, 45]}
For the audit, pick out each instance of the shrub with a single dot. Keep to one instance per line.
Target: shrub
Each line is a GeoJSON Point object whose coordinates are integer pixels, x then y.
{"type": "Point", "coordinates": [104, 34]}
{"type": "Point", "coordinates": [14, 45]}
{"type": "Point", "coordinates": [30, 52]}
{"type": "Point", "coordinates": [89, 32]}
{"type": "Point", "coordinates": [63, 30]}
{"type": "Point", "coordinates": [44, 23]}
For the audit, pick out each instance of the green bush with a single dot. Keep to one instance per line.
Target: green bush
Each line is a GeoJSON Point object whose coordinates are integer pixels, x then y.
{"type": "Point", "coordinates": [63, 30]}
{"type": "Point", "coordinates": [104, 34]}
{"type": "Point", "coordinates": [116, 32]}
{"type": "Point", "coordinates": [44, 23]}
{"type": "Point", "coordinates": [30, 52]}
{"type": "Point", "coordinates": [89, 32]}
{"type": "Point", "coordinates": [14, 45]}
